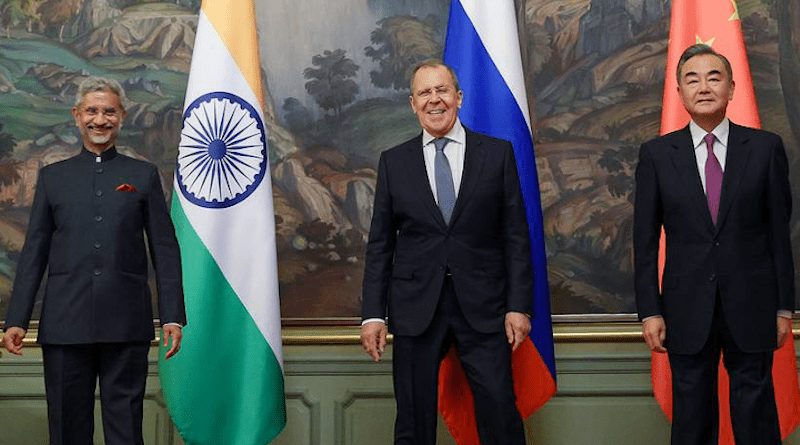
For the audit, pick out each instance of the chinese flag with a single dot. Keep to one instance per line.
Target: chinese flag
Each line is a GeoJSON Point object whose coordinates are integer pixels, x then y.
{"type": "Point", "coordinates": [716, 23]}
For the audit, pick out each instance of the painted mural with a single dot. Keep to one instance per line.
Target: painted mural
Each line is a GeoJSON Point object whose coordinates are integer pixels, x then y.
{"type": "Point", "coordinates": [335, 75]}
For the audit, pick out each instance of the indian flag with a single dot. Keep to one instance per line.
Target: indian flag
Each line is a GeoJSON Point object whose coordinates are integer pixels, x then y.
{"type": "Point", "coordinates": [225, 386]}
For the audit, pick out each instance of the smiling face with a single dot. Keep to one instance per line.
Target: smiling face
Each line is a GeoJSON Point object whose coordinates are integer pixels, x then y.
{"type": "Point", "coordinates": [435, 100]}
{"type": "Point", "coordinates": [705, 89]}
{"type": "Point", "coordinates": [99, 117]}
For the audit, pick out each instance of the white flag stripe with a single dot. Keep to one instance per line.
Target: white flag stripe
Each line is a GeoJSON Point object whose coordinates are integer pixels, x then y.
{"type": "Point", "coordinates": [240, 238]}
{"type": "Point", "coordinates": [491, 20]}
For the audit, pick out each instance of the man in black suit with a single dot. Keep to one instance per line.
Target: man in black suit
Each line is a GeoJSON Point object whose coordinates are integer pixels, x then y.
{"type": "Point", "coordinates": [88, 223]}
{"type": "Point", "coordinates": [721, 192]}
{"type": "Point", "coordinates": [448, 261]}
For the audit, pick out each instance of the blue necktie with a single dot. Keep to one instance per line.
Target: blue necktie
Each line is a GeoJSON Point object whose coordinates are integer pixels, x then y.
{"type": "Point", "coordinates": [445, 192]}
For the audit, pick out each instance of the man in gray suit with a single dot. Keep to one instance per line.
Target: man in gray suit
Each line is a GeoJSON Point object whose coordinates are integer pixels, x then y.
{"type": "Point", "coordinates": [88, 223]}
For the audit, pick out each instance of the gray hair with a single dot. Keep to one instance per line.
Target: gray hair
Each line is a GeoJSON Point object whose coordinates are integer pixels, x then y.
{"type": "Point", "coordinates": [434, 63]}
{"type": "Point", "coordinates": [700, 49]}
{"type": "Point", "coordinates": [94, 83]}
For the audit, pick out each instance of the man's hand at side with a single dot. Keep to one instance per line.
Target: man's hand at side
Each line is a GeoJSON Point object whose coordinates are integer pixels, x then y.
{"type": "Point", "coordinates": [518, 326]}
{"type": "Point", "coordinates": [784, 329]}
{"type": "Point", "coordinates": [373, 338]}
{"type": "Point", "coordinates": [171, 332]}
{"type": "Point", "coordinates": [13, 339]}
{"type": "Point", "coordinates": [654, 331]}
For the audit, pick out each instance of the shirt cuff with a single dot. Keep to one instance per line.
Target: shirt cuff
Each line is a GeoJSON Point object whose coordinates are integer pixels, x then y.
{"type": "Point", "coordinates": [173, 324]}
{"type": "Point", "coordinates": [518, 312]}
{"type": "Point", "coordinates": [784, 313]}
{"type": "Point", "coordinates": [370, 320]}
{"type": "Point", "coordinates": [651, 317]}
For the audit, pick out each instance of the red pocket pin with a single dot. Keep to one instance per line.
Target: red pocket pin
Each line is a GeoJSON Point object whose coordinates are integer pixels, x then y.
{"type": "Point", "coordinates": [126, 188]}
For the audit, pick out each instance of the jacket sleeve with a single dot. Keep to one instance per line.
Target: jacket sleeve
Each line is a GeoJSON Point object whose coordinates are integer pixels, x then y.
{"type": "Point", "coordinates": [165, 254]}
{"type": "Point", "coordinates": [380, 249]}
{"type": "Point", "coordinates": [647, 222]}
{"type": "Point", "coordinates": [779, 204]}
{"type": "Point", "coordinates": [33, 259]}
{"type": "Point", "coordinates": [516, 240]}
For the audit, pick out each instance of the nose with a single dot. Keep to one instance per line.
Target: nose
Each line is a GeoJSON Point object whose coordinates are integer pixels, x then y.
{"type": "Point", "coordinates": [100, 118]}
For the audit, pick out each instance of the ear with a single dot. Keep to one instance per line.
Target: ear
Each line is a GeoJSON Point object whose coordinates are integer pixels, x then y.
{"type": "Point", "coordinates": [76, 114]}
{"type": "Point", "coordinates": [730, 90]}
{"type": "Point", "coordinates": [411, 101]}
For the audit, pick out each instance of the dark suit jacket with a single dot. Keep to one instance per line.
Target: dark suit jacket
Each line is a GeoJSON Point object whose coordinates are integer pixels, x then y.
{"type": "Point", "coordinates": [486, 246]}
{"type": "Point", "coordinates": [747, 256]}
{"type": "Point", "coordinates": [92, 238]}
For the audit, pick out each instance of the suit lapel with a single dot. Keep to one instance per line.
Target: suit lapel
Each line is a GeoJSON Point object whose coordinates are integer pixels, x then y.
{"type": "Point", "coordinates": [474, 154]}
{"type": "Point", "coordinates": [415, 167]}
{"type": "Point", "coordinates": [735, 161]}
{"type": "Point", "coordinates": [686, 166]}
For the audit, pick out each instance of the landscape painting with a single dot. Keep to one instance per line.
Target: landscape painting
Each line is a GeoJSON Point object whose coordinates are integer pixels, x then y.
{"type": "Point", "coordinates": [336, 82]}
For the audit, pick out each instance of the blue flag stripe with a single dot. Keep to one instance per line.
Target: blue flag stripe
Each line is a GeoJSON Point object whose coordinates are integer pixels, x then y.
{"type": "Point", "coordinates": [489, 107]}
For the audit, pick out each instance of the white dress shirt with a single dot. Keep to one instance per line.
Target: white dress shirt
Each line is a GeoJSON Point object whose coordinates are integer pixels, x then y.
{"type": "Point", "coordinates": [454, 150]}
{"type": "Point", "coordinates": [701, 151]}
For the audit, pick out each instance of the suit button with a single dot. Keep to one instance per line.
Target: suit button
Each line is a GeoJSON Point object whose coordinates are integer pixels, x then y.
{"type": "Point", "coordinates": [712, 277]}
{"type": "Point", "coordinates": [98, 170]}
{"type": "Point", "coordinates": [716, 243]}
{"type": "Point", "coordinates": [98, 218]}
{"type": "Point", "coordinates": [97, 244]}
{"type": "Point", "coordinates": [98, 193]}
{"type": "Point", "coordinates": [97, 272]}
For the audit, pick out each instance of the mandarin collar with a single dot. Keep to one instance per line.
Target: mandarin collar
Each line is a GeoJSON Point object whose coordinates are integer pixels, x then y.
{"type": "Point", "coordinates": [105, 156]}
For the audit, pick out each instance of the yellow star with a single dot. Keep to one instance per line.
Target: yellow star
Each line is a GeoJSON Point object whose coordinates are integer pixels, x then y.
{"type": "Point", "coordinates": [735, 15]}
{"type": "Point", "coordinates": [699, 40]}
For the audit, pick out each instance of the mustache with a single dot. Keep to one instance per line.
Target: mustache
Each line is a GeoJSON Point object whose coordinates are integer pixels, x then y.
{"type": "Point", "coordinates": [103, 127]}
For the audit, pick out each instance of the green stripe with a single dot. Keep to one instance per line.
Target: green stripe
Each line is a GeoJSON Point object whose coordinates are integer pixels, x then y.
{"type": "Point", "coordinates": [225, 385]}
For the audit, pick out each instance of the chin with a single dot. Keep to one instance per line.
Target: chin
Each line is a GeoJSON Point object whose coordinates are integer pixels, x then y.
{"type": "Point", "coordinates": [99, 140]}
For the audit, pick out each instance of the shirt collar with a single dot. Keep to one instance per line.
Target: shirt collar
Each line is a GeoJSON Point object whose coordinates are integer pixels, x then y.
{"type": "Point", "coordinates": [105, 156]}
{"type": "Point", "coordinates": [456, 134]}
{"type": "Point", "coordinates": [720, 132]}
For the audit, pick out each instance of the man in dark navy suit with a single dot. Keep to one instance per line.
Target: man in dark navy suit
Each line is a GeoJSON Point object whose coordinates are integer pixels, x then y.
{"type": "Point", "coordinates": [87, 227]}
{"type": "Point", "coordinates": [448, 262]}
{"type": "Point", "coordinates": [721, 192]}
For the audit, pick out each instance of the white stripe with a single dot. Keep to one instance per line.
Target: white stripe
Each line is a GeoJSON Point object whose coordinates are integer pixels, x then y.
{"type": "Point", "coordinates": [496, 25]}
{"type": "Point", "coordinates": [240, 238]}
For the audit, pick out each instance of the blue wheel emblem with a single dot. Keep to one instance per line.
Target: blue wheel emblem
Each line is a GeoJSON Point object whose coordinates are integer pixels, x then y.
{"type": "Point", "coordinates": [222, 155]}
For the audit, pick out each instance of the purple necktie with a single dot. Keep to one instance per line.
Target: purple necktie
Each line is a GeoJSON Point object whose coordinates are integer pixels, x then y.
{"type": "Point", "coordinates": [713, 178]}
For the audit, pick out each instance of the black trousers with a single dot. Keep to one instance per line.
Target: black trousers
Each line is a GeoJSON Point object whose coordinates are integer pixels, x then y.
{"type": "Point", "coordinates": [695, 411]}
{"type": "Point", "coordinates": [71, 373]}
{"type": "Point", "coordinates": [486, 359]}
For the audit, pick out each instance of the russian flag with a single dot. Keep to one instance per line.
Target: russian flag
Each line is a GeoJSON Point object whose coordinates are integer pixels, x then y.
{"type": "Point", "coordinates": [482, 46]}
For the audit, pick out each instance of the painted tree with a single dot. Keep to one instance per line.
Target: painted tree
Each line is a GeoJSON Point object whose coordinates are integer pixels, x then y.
{"type": "Point", "coordinates": [398, 44]}
{"type": "Point", "coordinates": [297, 116]}
{"type": "Point", "coordinates": [31, 14]}
{"type": "Point", "coordinates": [58, 13]}
{"type": "Point", "coordinates": [11, 14]}
{"type": "Point", "coordinates": [8, 167]}
{"type": "Point", "coordinates": [331, 84]}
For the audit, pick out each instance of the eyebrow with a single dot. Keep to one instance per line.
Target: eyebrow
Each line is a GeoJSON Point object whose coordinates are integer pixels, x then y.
{"type": "Point", "coordinates": [435, 87]}
{"type": "Point", "coordinates": [695, 73]}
